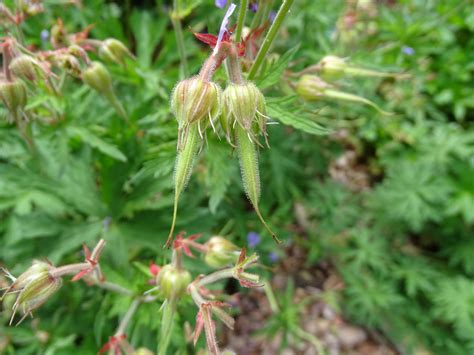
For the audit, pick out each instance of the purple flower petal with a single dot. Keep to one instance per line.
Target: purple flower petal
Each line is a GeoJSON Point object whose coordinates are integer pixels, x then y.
{"type": "Point", "coordinates": [221, 3]}
{"type": "Point", "coordinates": [408, 50]}
{"type": "Point", "coordinates": [44, 35]}
{"type": "Point", "coordinates": [253, 239]}
{"type": "Point", "coordinates": [253, 7]}
{"type": "Point", "coordinates": [271, 16]}
{"type": "Point", "coordinates": [223, 28]}
{"type": "Point", "coordinates": [273, 257]}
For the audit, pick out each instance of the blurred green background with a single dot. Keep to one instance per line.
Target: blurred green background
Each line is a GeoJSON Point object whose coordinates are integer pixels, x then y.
{"type": "Point", "coordinates": [385, 205]}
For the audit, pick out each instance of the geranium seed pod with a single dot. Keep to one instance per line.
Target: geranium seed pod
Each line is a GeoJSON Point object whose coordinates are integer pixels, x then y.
{"type": "Point", "coordinates": [115, 51]}
{"type": "Point", "coordinates": [173, 282]}
{"type": "Point", "coordinates": [183, 169]}
{"type": "Point", "coordinates": [243, 104]}
{"type": "Point", "coordinates": [98, 78]}
{"type": "Point", "coordinates": [313, 88]}
{"type": "Point", "coordinates": [248, 158]}
{"type": "Point", "coordinates": [14, 97]}
{"type": "Point", "coordinates": [33, 288]}
{"type": "Point", "coordinates": [25, 66]}
{"type": "Point", "coordinates": [195, 100]}
{"type": "Point", "coordinates": [220, 252]}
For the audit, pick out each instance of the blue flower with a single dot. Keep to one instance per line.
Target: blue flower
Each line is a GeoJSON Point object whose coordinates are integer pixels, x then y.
{"type": "Point", "coordinates": [44, 35]}
{"type": "Point", "coordinates": [271, 16]}
{"type": "Point", "coordinates": [221, 3]}
{"type": "Point", "coordinates": [408, 50]}
{"type": "Point", "coordinates": [273, 257]}
{"type": "Point", "coordinates": [253, 239]}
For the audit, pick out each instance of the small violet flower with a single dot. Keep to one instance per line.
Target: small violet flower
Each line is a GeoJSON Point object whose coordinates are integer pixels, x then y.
{"type": "Point", "coordinates": [221, 3]}
{"type": "Point", "coordinates": [253, 7]}
{"type": "Point", "coordinates": [253, 239]}
{"type": "Point", "coordinates": [273, 257]}
{"type": "Point", "coordinates": [271, 16]}
{"type": "Point", "coordinates": [44, 35]}
{"type": "Point", "coordinates": [408, 50]}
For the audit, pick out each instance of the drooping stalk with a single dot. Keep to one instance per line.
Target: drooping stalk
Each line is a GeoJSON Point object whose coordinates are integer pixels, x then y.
{"type": "Point", "coordinates": [270, 37]}
{"type": "Point", "coordinates": [339, 95]}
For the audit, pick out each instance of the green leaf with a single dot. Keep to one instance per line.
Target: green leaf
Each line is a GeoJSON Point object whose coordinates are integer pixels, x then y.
{"type": "Point", "coordinates": [272, 73]}
{"type": "Point", "coordinates": [91, 139]}
{"type": "Point", "coordinates": [277, 110]}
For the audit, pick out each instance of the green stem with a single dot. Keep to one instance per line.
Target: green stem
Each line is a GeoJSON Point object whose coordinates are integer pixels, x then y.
{"type": "Point", "coordinates": [241, 20]}
{"type": "Point", "coordinates": [169, 311]}
{"type": "Point", "coordinates": [178, 30]}
{"type": "Point", "coordinates": [270, 37]}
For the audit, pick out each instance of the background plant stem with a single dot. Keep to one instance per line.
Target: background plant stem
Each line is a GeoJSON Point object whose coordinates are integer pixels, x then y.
{"type": "Point", "coordinates": [240, 22]}
{"type": "Point", "coordinates": [284, 9]}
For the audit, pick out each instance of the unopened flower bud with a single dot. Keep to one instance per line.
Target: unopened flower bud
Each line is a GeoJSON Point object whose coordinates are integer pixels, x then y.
{"type": "Point", "coordinates": [220, 252]}
{"type": "Point", "coordinates": [24, 66]}
{"type": "Point", "coordinates": [14, 97]}
{"type": "Point", "coordinates": [115, 51]}
{"type": "Point", "coordinates": [173, 281]}
{"type": "Point", "coordinates": [313, 88]}
{"type": "Point", "coordinates": [196, 100]}
{"type": "Point", "coordinates": [332, 67]}
{"type": "Point", "coordinates": [98, 78]}
{"type": "Point", "coordinates": [33, 288]}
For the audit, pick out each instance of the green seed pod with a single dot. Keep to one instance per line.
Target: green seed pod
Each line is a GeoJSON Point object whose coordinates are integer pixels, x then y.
{"type": "Point", "coordinates": [172, 281]}
{"type": "Point", "coordinates": [183, 168]}
{"type": "Point", "coordinates": [33, 288]}
{"type": "Point", "coordinates": [220, 252]}
{"type": "Point", "coordinates": [243, 104]}
{"type": "Point", "coordinates": [98, 78]}
{"type": "Point", "coordinates": [313, 88]}
{"type": "Point", "coordinates": [143, 351]}
{"type": "Point", "coordinates": [14, 97]}
{"type": "Point", "coordinates": [25, 66]}
{"type": "Point", "coordinates": [195, 100]}
{"type": "Point", "coordinates": [114, 51]}
{"type": "Point", "coordinates": [248, 158]}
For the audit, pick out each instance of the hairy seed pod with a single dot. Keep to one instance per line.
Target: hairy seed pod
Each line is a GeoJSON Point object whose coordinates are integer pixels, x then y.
{"type": "Point", "coordinates": [14, 97]}
{"type": "Point", "coordinates": [173, 282]}
{"type": "Point", "coordinates": [33, 288]}
{"type": "Point", "coordinates": [25, 66]}
{"type": "Point", "coordinates": [248, 158]}
{"type": "Point", "coordinates": [195, 100]}
{"type": "Point", "coordinates": [183, 168]}
{"type": "Point", "coordinates": [243, 104]}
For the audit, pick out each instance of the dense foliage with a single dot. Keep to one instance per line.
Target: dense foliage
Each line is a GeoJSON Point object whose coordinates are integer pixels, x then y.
{"type": "Point", "coordinates": [387, 199]}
